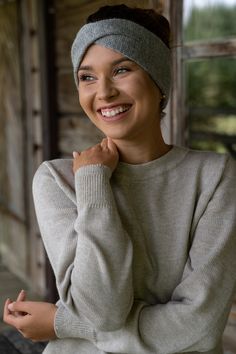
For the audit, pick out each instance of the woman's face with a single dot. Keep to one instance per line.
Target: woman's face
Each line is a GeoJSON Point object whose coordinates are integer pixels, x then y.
{"type": "Point", "coordinates": [118, 96]}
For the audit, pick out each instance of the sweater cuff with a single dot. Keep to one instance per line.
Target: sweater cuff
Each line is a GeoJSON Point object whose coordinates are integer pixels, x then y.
{"type": "Point", "coordinates": [66, 325]}
{"type": "Point", "coordinates": [92, 185]}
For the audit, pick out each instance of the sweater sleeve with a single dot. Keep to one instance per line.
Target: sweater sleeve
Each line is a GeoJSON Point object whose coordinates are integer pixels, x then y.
{"type": "Point", "coordinates": [90, 253]}
{"type": "Point", "coordinates": [195, 317]}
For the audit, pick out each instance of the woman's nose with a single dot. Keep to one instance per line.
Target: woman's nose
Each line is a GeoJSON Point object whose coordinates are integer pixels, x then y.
{"type": "Point", "coordinates": [106, 89]}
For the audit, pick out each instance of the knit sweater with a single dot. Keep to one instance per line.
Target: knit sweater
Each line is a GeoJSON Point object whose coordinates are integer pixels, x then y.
{"type": "Point", "coordinates": [144, 258]}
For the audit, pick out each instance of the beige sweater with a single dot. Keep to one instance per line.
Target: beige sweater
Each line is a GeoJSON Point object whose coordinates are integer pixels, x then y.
{"type": "Point", "coordinates": [145, 259]}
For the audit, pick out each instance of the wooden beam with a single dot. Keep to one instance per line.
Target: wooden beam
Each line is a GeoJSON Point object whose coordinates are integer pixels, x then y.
{"type": "Point", "coordinates": [48, 95]}
{"type": "Point", "coordinates": [26, 25]}
{"type": "Point", "coordinates": [218, 48]}
{"type": "Point", "coordinates": [178, 124]}
{"type": "Point", "coordinates": [4, 209]}
{"type": "Point", "coordinates": [48, 78]}
{"type": "Point", "coordinates": [158, 5]}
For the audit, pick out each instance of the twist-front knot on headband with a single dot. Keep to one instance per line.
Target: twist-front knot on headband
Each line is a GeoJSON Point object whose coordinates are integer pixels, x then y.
{"type": "Point", "coordinates": [133, 41]}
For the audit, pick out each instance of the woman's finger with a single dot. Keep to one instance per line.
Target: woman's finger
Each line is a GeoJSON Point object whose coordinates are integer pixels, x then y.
{"type": "Point", "coordinates": [21, 296]}
{"type": "Point", "coordinates": [104, 144]}
{"type": "Point", "coordinates": [6, 310]}
{"type": "Point", "coordinates": [8, 317]}
{"type": "Point", "coordinates": [75, 154]}
{"type": "Point", "coordinates": [111, 145]}
{"type": "Point", "coordinates": [19, 306]}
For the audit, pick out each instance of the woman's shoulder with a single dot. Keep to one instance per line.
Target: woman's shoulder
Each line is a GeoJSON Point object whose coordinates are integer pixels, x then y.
{"type": "Point", "coordinates": [54, 173]}
{"type": "Point", "coordinates": [53, 185]}
{"type": "Point", "coordinates": [55, 168]}
{"type": "Point", "coordinates": [210, 160]}
{"type": "Point", "coordinates": [210, 167]}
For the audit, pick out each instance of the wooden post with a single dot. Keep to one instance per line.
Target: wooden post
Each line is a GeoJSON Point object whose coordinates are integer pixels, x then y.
{"type": "Point", "coordinates": [48, 97]}
{"type": "Point", "coordinates": [178, 124]}
{"type": "Point", "coordinates": [48, 78]}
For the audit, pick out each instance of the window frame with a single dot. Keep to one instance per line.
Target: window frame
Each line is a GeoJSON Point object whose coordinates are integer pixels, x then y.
{"type": "Point", "coordinates": [182, 52]}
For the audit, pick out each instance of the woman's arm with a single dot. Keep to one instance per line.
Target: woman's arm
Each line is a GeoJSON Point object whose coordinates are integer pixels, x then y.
{"type": "Point", "coordinates": [90, 253]}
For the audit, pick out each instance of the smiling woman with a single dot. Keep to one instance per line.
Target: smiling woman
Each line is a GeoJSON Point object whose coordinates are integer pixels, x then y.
{"type": "Point", "coordinates": [140, 234]}
{"type": "Point", "coordinates": [120, 98]}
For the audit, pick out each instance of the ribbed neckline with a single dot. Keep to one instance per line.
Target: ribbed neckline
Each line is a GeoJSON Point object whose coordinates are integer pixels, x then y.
{"type": "Point", "coordinates": [153, 168]}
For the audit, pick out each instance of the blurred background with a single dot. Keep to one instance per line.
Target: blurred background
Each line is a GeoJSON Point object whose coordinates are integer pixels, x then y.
{"type": "Point", "coordinates": [40, 116]}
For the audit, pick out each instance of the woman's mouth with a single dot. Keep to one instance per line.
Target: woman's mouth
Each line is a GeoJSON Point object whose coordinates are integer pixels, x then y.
{"type": "Point", "coordinates": [114, 112]}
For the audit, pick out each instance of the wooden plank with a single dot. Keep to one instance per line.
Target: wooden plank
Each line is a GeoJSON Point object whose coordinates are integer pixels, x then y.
{"type": "Point", "coordinates": [33, 126]}
{"type": "Point", "coordinates": [67, 98]}
{"type": "Point", "coordinates": [49, 106]}
{"type": "Point", "coordinates": [77, 133]}
{"type": "Point", "coordinates": [14, 246]}
{"type": "Point", "coordinates": [13, 243]}
{"type": "Point", "coordinates": [5, 210]}
{"type": "Point", "coordinates": [158, 5]}
{"type": "Point", "coordinates": [178, 123]}
{"type": "Point", "coordinates": [166, 8]}
{"type": "Point", "coordinates": [67, 4]}
{"type": "Point", "coordinates": [212, 49]}
{"type": "Point", "coordinates": [48, 84]}
{"type": "Point", "coordinates": [11, 122]}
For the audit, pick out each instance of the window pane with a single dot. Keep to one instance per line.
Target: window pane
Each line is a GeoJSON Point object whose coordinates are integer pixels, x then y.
{"type": "Point", "coordinates": [209, 19]}
{"type": "Point", "coordinates": [211, 103]}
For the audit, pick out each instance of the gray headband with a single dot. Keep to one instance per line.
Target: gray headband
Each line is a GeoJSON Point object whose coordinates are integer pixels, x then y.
{"type": "Point", "coordinates": [133, 41]}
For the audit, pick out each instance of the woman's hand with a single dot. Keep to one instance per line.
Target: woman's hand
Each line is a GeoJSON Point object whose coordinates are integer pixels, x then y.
{"type": "Point", "coordinates": [34, 320]}
{"type": "Point", "coordinates": [104, 153]}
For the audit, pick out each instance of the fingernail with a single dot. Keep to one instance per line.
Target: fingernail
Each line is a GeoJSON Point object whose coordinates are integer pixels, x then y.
{"type": "Point", "coordinates": [10, 307]}
{"type": "Point", "coordinates": [75, 153]}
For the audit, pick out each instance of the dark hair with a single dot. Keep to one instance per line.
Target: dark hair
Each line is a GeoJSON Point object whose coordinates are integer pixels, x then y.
{"type": "Point", "coordinates": [147, 18]}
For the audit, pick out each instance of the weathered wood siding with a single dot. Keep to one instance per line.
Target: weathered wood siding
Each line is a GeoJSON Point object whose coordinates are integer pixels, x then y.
{"type": "Point", "coordinates": [75, 130]}
{"type": "Point", "coordinates": [21, 141]}
{"type": "Point", "coordinates": [13, 238]}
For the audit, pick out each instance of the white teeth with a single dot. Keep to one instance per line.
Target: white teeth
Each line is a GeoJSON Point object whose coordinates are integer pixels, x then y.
{"type": "Point", "coordinates": [113, 112]}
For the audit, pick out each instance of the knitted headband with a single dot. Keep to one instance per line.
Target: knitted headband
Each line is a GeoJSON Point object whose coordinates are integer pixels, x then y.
{"type": "Point", "coordinates": [133, 41]}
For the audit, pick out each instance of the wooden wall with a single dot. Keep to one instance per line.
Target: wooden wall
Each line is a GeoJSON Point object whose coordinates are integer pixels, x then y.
{"type": "Point", "coordinates": [13, 232]}
{"type": "Point", "coordinates": [75, 130]}
{"type": "Point", "coordinates": [21, 141]}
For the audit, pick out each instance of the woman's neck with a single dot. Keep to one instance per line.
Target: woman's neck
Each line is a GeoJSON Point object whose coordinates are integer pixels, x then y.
{"type": "Point", "coordinates": [142, 151]}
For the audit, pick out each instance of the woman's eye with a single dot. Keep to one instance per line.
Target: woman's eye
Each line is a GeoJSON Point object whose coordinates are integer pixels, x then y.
{"type": "Point", "coordinates": [121, 70]}
{"type": "Point", "coordinates": [86, 77]}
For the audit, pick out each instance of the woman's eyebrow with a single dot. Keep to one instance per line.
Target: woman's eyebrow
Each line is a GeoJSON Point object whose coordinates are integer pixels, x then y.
{"type": "Point", "coordinates": [115, 62]}
{"type": "Point", "coordinates": [85, 67]}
